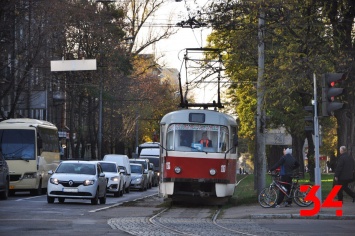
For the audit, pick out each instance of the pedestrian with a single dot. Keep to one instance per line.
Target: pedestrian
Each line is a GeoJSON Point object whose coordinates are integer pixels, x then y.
{"type": "Point", "coordinates": [343, 174]}
{"type": "Point", "coordinates": [288, 163]}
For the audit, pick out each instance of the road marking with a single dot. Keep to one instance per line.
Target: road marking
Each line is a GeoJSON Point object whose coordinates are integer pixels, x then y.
{"type": "Point", "coordinates": [27, 198]}
{"type": "Point", "coordinates": [117, 204]}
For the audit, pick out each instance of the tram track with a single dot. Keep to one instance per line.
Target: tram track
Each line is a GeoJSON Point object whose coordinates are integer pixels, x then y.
{"type": "Point", "coordinates": [180, 221]}
{"type": "Point", "coordinates": [162, 223]}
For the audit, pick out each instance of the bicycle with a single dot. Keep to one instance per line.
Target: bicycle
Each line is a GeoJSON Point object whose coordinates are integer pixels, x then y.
{"type": "Point", "coordinates": [268, 196]}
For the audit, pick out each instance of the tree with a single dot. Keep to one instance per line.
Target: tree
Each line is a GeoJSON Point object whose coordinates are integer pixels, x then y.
{"type": "Point", "coordinates": [340, 17]}
{"type": "Point", "coordinates": [138, 14]}
{"type": "Point", "coordinates": [298, 45]}
{"type": "Point", "coordinates": [24, 47]}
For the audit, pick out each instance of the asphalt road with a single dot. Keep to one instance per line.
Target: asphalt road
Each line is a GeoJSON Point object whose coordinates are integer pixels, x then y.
{"type": "Point", "coordinates": [23, 214]}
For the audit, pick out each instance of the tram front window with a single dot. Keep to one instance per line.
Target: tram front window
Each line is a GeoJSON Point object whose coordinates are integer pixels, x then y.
{"type": "Point", "coordinates": [194, 138]}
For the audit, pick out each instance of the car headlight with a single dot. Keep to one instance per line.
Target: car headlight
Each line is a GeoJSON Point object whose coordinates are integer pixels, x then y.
{"type": "Point", "coordinates": [89, 182]}
{"type": "Point", "coordinates": [115, 178]}
{"type": "Point", "coordinates": [54, 181]}
{"type": "Point", "coordinates": [177, 170]}
{"type": "Point", "coordinates": [213, 171]}
{"type": "Point", "coordinates": [137, 180]}
{"type": "Point", "coordinates": [30, 175]}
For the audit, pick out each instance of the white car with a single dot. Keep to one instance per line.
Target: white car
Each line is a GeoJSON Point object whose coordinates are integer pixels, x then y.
{"type": "Point", "coordinates": [126, 177]}
{"type": "Point", "coordinates": [77, 180]}
{"type": "Point", "coordinates": [114, 178]}
{"type": "Point", "coordinates": [121, 160]}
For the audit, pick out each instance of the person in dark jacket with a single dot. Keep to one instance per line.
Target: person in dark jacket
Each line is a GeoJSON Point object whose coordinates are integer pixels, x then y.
{"type": "Point", "coordinates": [288, 164]}
{"type": "Point", "coordinates": [344, 173]}
{"type": "Point", "coordinates": [205, 141]}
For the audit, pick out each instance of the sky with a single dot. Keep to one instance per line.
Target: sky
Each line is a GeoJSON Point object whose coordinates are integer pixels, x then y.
{"type": "Point", "coordinates": [173, 48]}
{"type": "Point", "coordinates": [185, 37]}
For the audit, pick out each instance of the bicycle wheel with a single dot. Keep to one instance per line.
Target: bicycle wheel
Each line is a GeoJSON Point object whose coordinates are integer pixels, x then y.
{"type": "Point", "coordinates": [299, 196]}
{"type": "Point", "coordinates": [267, 197]}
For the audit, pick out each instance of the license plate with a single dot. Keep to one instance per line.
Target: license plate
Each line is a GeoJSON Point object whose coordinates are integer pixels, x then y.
{"type": "Point", "coordinates": [70, 190]}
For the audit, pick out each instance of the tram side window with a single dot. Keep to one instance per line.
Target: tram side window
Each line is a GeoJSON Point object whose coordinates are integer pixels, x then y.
{"type": "Point", "coordinates": [232, 137]}
{"type": "Point", "coordinates": [223, 139]}
{"type": "Point", "coordinates": [170, 140]}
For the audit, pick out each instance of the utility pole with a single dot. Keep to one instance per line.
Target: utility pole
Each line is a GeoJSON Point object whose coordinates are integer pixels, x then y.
{"type": "Point", "coordinates": [317, 170]}
{"type": "Point", "coordinates": [260, 116]}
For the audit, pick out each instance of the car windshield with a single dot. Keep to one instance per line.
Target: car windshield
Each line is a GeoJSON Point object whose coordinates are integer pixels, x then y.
{"type": "Point", "coordinates": [76, 168]}
{"type": "Point", "coordinates": [109, 167]}
{"type": "Point", "coordinates": [154, 160]}
{"type": "Point", "coordinates": [197, 138]}
{"type": "Point", "coordinates": [17, 144]}
{"type": "Point", "coordinates": [136, 169]}
{"type": "Point", "coordinates": [144, 163]}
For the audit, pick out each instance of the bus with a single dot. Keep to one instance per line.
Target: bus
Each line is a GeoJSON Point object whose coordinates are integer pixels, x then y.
{"type": "Point", "coordinates": [30, 148]}
{"type": "Point", "coordinates": [199, 155]}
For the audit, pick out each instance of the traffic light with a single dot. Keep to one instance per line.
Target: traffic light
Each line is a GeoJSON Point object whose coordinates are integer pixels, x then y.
{"type": "Point", "coordinates": [329, 91]}
{"type": "Point", "coordinates": [309, 119]}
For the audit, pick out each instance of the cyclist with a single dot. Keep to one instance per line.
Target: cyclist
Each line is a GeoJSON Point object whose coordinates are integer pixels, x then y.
{"type": "Point", "coordinates": [288, 164]}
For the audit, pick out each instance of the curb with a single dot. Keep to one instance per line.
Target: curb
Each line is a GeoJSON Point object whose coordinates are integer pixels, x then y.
{"type": "Point", "coordinates": [297, 216]}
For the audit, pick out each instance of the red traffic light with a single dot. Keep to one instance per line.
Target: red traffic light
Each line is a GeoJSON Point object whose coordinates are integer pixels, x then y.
{"type": "Point", "coordinates": [329, 92]}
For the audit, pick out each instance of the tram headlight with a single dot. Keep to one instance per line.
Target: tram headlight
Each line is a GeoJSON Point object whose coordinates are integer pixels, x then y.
{"type": "Point", "coordinates": [177, 170]}
{"type": "Point", "coordinates": [213, 171]}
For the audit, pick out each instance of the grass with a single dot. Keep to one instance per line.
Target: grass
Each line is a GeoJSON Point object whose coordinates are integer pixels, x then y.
{"type": "Point", "coordinates": [245, 194]}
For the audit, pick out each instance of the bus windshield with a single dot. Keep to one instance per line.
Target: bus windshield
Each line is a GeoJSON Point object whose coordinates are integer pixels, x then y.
{"type": "Point", "coordinates": [17, 144]}
{"type": "Point", "coordinates": [196, 137]}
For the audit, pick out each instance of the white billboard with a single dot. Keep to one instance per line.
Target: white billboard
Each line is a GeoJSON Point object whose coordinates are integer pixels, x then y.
{"type": "Point", "coordinates": [73, 65]}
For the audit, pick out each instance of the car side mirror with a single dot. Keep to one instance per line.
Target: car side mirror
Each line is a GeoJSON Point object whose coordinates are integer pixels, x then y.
{"type": "Point", "coordinates": [50, 172]}
{"type": "Point", "coordinates": [145, 172]}
{"type": "Point", "coordinates": [102, 174]}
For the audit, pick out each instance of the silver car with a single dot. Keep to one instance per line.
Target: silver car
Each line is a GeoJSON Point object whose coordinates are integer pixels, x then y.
{"type": "Point", "coordinates": [77, 180]}
{"type": "Point", "coordinates": [138, 178]}
{"type": "Point", "coordinates": [148, 172]}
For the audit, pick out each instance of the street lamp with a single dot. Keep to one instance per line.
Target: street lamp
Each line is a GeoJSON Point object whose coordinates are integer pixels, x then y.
{"type": "Point", "coordinates": [99, 135]}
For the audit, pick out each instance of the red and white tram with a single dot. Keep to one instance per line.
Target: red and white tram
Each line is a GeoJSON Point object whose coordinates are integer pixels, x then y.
{"type": "Point", "coordinates": [191, 166]}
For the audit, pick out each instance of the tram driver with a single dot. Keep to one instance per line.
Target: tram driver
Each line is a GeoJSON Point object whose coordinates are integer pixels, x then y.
{"type": "Point", "coordinates": [205, 141]}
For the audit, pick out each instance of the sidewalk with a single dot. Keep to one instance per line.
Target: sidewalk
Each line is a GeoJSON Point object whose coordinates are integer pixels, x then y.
{"type": "Point", "coordinates": [255, 211]}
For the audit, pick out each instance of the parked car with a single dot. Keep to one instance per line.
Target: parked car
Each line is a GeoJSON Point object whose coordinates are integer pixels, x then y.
{"type": "Point", "coordinates": [114, 178]}
{"type": "Point", "coordinates": [152, 154]}
{"type": "Point", "coordinates": [126, 177]}
{"type": "Point", "coordinates": [121, 160]}
{"type": "Point", "coordinates": [138, 178]}
{"type": "Point", "coordinates": [147, 171]}
{"type": "Point", "coordinates": [4, 178]}
{"type": "Point", "coordinates": [155, 179]}
{"type": "Point", "coordinates": [77, 180]}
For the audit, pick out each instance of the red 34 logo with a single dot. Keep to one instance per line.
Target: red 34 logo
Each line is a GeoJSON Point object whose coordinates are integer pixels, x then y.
{"type": "Point", "coordinates": [329, 202]}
